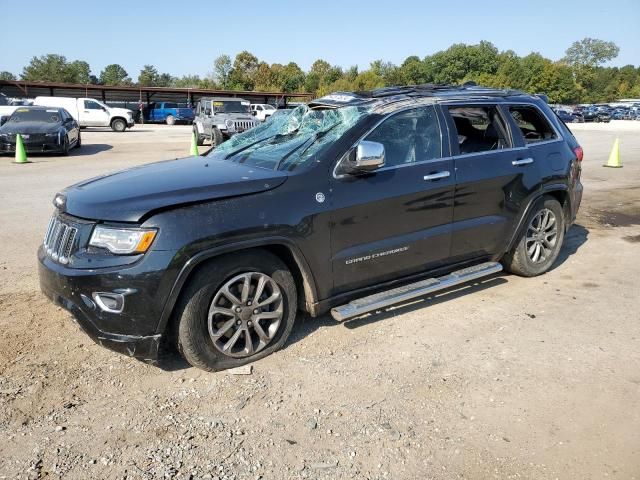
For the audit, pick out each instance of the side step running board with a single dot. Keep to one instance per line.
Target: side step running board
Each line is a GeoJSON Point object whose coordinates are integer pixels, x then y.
{"type": "Point", "coordinates": [381, 300]}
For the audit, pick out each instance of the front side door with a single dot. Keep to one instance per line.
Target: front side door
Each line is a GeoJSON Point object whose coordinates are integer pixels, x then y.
{"type": "Point", "coordinates": [494, 175]}
{"type": "Point", "coordinates": [396, 220]}
{"type": "Point", "coordinates": [93, 114]}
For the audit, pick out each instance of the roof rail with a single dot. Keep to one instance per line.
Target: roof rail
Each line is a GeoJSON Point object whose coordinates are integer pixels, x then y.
{"type": "Point", "coordinates": [433, 88]}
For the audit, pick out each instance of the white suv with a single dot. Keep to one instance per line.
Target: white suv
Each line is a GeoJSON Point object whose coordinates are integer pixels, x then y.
{"type": "Point", "coordinates": [262, 110]}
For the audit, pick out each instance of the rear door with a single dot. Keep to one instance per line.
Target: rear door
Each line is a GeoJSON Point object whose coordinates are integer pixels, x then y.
{"type": "Point", "coordinates": [494, 175]}
{"type": "Point", "coordinates": [395, 221]}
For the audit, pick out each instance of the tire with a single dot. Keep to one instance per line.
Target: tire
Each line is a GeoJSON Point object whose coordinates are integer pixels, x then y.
{"type": "Point", "coordinates": [79, 141]}
{"type": "Point", "coordinates": [171, 120]}
{"type": "Point", "coordinates": [216, 137]}
{"type": "Point", "coordinates": [118, 125]}
{"type": "Point", "coordinates": [65, 147]}
{"type": "Point", "coordinates": [521, 260]}
{"type": "Point", "coordinates": [199, 336]}
{"type": "Point", "coordinates": [199, 139]}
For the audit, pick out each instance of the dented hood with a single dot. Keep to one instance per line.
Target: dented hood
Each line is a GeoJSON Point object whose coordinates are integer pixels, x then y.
{"type": "Point", "coordinates": [129, 195]}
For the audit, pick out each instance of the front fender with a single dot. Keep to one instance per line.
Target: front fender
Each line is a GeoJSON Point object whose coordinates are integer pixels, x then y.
{"type": "Point", "coordinates": [192, 263]}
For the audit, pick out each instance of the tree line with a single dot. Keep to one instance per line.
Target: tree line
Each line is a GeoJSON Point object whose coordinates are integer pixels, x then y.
{"type": "Point", "coordinates": [579, 77]}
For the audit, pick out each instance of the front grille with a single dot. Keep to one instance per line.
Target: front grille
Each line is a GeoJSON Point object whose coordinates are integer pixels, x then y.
{"type": "Point", "coordinates": [58, 241]}
{"type": "Point", "coordinates": [242, 125]}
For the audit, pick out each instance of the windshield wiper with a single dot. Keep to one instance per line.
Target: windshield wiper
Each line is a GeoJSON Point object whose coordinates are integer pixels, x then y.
{"type": "Point", "coordinates": [242, 149]}
{"type": "Point", "coordinates": [313, 139]}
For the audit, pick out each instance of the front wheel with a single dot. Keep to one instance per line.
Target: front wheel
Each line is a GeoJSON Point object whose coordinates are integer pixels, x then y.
{"type": "Point", "coordinates": [118, 125]}
{"type": "Point", "coordinates": [199, 139]}
{"type": "Point", "coordinates": [216, 137]}
{"type": "Point", "coordinates": [237, 309]}
{"type": "Point", "coordinates": [65, 146]}
{"type": "Point", "coordinates": [540, 240]}
{"type": "Point", "coordinates": [78, 141]}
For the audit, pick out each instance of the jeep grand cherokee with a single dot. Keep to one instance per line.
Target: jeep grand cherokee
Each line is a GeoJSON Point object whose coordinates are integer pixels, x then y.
{"type": "Point", "coordinates": [352, 203]}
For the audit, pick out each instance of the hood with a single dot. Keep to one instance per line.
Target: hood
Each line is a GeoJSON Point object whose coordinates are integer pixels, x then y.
{"type": "Point", "coordinates": [129, 195]}
{"type": "Point", "coordinates": [28, 128]}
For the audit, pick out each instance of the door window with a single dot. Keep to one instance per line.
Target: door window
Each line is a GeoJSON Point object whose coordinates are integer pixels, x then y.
{"type": "Point", "coordinates": [409, 137]}
{"type": "Point", "coordinates": [479, 129]}
{"type": "Point", "coordinates": [532, 124]}
{"type": "Point", "coordinates": [89, 105]}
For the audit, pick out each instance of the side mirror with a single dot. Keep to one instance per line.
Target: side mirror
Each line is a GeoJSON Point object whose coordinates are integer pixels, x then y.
{"type": "Point", "coordinates": [207, 111]}
{"type": "Point", "coordinates": [254, 113]}
{"type": "Point", "coordinates": [369, 156]}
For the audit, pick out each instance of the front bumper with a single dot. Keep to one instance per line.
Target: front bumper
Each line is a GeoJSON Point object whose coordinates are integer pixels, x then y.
{"type": "Point", "coordinates": [32, 147]}
{"type": "Point", "coordinates": [133, 332]}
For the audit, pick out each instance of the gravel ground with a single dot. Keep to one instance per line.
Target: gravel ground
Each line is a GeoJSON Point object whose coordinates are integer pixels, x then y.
{"type": "Point", "coordinates": [506, 378]}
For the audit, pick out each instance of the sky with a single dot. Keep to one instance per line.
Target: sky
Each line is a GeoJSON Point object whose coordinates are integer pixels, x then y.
{"type": "Point", "coordinates": [185, 37]}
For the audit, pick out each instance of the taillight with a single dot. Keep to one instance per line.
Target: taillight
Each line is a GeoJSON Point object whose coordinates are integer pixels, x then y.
{"type": "Point", "coordinates": [579, 153]}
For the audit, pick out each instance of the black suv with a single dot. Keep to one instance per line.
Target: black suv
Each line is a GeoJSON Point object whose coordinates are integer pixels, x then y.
{"type": "Point", "coordinates": [352, 203]}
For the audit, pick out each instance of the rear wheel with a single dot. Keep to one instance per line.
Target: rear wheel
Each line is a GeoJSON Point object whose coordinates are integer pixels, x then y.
{"type": "Point", "coordinates": [171, 120]}
{"type": "Point", "coordinates": [540, 240]}
{"type": "Point", "coordinates": [236, 310]}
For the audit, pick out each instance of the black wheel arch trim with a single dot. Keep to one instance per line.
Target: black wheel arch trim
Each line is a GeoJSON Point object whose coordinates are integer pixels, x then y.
{"type": "Point", "coordinates": [544, 190]}
{"type": "Point", "coordinates": [309, 284]}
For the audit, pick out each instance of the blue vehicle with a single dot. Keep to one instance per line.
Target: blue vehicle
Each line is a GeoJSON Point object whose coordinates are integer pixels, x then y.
{"type": "Point", "coordinates": [169, 113]}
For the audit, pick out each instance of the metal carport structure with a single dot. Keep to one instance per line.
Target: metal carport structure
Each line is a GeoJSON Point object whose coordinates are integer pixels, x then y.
{"type": "Point", "coordinates": [132, 96]}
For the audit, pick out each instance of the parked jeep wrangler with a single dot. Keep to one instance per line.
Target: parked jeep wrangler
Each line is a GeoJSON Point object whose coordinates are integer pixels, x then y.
{"type": "Point", "coordinates": [351, 204]}
{"type": "Point", "coordinates": [218, 118]}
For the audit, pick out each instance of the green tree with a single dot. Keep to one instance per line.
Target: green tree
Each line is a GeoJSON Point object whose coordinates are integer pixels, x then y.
{"type": "Point", "coordinates": [79, 71]}
{"type": "Point", "coordinates": [7, 76]}
{"type": "Point", "coordinates": [222, 69]}
{"type": "Point", "coordinates": [590, 52]}
{"type": "Point", "coordinates": [245, 67]}
{"type": "Point", "coordinates": [584, 57]}
{"type": "Point", "coordinates": [114, 74]}
{"type": "Point", "coordinates": [292, 78]}
{"type": "Point", "coordinates": [413, 71]}
{"type": "Point", "coordinates": [148, 76]}
{"type": "Point", "coordinates": [55, 68]}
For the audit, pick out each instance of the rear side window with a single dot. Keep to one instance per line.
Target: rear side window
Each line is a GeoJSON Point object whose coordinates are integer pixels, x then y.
{"type": "Point", "coordinates": [170, 105]}
{"type": "Point", "coordinates": [409, 137]}
{"type": "Point", "coordinates": [533, 125]}
{"type": "Point", "coordinates": [479, 129]}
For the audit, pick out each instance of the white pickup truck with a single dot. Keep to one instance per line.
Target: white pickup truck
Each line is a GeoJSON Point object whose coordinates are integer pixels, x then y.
{"type": "Point", "coordinates": [262, 111]}
{"type": "Point", "coordinates": [89, 112]}
{"type": "Point", "coordinates": [5, 108]}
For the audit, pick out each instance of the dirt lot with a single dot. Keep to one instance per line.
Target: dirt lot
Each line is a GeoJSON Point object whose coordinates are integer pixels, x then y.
{"type": "Point", "coordinates": [509, 378]}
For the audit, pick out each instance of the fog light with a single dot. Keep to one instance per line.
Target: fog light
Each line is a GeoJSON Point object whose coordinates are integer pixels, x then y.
{"type": "Point", "coordinates": [109, 302]}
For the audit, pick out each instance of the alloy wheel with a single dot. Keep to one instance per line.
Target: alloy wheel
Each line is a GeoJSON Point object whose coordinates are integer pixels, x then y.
{"type": "Point", "coordinates": [542, 235]}
{"type": "Point", "coordinates": [245, 314]}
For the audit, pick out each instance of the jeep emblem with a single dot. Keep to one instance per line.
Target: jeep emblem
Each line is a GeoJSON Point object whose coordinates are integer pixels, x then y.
{"type": "Point", "coordinates": [320, 197]}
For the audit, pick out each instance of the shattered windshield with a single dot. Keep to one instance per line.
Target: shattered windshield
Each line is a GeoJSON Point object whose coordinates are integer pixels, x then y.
{"type": "Point", "coordinates": [289, 141]}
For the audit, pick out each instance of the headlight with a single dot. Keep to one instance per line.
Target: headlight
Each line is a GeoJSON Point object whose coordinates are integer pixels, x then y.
{"type": "Point", "coordinates": [229, 123]}
{"type": "Point", "coordinates": [122, 240]}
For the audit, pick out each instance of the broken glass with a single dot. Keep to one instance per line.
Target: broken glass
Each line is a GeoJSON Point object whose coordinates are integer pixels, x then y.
{"type": "Point", "coordinates": [289, 141]}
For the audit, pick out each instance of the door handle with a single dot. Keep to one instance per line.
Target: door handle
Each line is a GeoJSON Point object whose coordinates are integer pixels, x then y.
{"type": "Point", "coordinates": [522, 161]}
{"type": "Point", "coordinates": [437, 175]}
{"type": "Point", "coordinates": [87, 111]}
